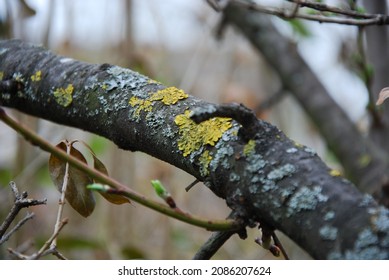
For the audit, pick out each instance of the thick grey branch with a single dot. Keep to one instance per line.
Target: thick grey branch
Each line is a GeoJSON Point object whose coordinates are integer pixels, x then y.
{"type": "Point", "coordinates": [268, 179]}
{"type": "Point", "coordinates": [299, 79]}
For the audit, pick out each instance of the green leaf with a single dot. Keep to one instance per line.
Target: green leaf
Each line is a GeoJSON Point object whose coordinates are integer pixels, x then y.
{"type": "Point", "coordinates": [159, 189]}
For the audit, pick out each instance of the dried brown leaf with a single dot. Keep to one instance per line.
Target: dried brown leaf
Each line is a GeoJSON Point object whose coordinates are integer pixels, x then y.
{"type": "Point", "coordinates": [79, 197]}
{"type": "Point", "coordinates": [113, 198]}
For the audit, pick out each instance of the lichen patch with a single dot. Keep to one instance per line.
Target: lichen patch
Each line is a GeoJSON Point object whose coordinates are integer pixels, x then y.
{"type": "Point", "coordinates": [193, 136]}
{"type": "Point", "coordinates": [64, 96]}
{"type": "Point", "coordinates": [169, 96]}
{"type": "Point", "coordinates": [37, 76]}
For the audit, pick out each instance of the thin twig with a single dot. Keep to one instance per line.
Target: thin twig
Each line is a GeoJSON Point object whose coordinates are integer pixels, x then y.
{"type": "Point", "coordinates": [49, 247]}
{"type": "Point", "coordinates": [322, 7]}
{"type": "Point", "coordinates": [20, 201]}
{"type": "Point", "coordinates": [191, 185]}
{"type": "Point", "coordinates": [378, 19]}
{"type": "Point", "coordinates": [5, 238]}
{"type": "Point", "coordinates": [62, 202]}
{"type": "Point", "coordinates": [213, 244]}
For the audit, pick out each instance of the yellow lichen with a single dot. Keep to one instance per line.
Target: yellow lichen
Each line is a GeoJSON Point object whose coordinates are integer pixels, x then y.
{"type": "Point", "coordinates": [37, 76]}
{"type": "Point", "coordinates": [298, 145]}
{"type": "Point", "coordinates": [104, 87]}
{"type": "Point", "coordinates": [193, 136]}
{"type": "Point", "coordinates": [335, 173]}
{"type": "Point", "coordinates": [248, 149]}
{"type": "Point", "coordinates": [169, 96]}
{"type": "Point", "coordinates": [141, 104]}
{"type": "Point", "coordinates": [1, 75]}
{"type": "Point", "coordinates": [205, 160]}
{"type": "Point", "coordinates": [64, 96]}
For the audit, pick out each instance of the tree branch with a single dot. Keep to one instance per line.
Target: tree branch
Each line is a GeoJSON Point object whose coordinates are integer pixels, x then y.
{"type": "Point", "coordinates": [299, 79]}
{"type": "Point", "coordinates": [354, 18]}
{"type": "Point", "coordinates": [269, 178]}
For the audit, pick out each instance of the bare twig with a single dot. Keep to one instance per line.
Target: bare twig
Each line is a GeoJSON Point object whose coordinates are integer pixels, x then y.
{"type": "Point", "coordinates": [353, 18]}
{"type": "Point", "coordinates": [213, 244]}
{"type": "Point", "coordinates": [322, 7]}
{"type": "Point", "coordinates": [6, 236]}
{"type": "Point", "coordinates": [59, 224]}
{"type": "Point", "coordinates": [50, 246]}
{"type": "Point", "coordinates": [20, 201]}
{"type": "Point", "coordinates": [191, 185]}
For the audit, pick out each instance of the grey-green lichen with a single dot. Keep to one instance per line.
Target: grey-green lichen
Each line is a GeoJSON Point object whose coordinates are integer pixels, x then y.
{"type": "Point", "coordinates": [380, 222]}
{"type": "Point", "coordinates": [127, 82]}
{"type": "Point", "coordinates": [3, 50]}
{"type": "Point", "coordinates": [310, 151]}
{"type": "Point", "coordinates": [124, 78]}
{"type": "Point", "coordinates": [224, 151]}
{"type": "Point", "coordinates": [234, 177]}
{"type": "Point", "coordinates": [281, 172]}
{"type": "Point", "coordinates": [328, 232]}
{"type": "Point", "coordinates": [366, 247]}
{"type": "Point", "coordinates": [329, 216]}
{"type": "Point", "coordinates": [367, 200]}
{"type": "Point", "coordinates": [292, 150]}
{"type": "Point", "coordinates": [305, 199]}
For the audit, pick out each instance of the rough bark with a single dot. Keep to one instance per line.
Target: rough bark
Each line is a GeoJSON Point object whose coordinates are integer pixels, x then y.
{"type": "Point", "coordinates": [365, 164]}
{"type": "Point", "coordinates": [262, 175]}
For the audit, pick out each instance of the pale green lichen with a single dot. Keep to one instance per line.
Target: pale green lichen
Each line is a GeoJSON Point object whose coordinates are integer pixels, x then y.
{"type": "Point", "coordinates": [193, 136]}
{"type": "Point", "coordinates": [1, 75]}
{"type": "Point", "coordinates": [64, 96]}
{"type": "Point", "coordinates": [248, 149]}
{"type": "Point", "coordinates": [204, 160]}
{"type": "Point", "coordinates": [37, 76]}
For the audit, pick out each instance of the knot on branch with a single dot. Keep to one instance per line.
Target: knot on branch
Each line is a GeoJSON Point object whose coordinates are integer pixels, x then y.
{"type": "Point", "coordinates": [238, 112]}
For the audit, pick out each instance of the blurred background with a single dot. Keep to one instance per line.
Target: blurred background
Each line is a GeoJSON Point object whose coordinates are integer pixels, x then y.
{"type": "Point", "coordinates": [174, 42]}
